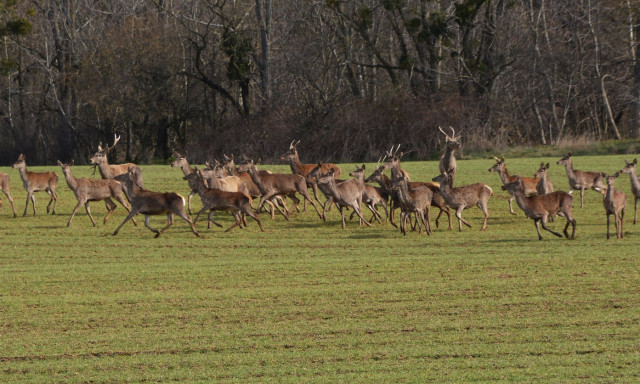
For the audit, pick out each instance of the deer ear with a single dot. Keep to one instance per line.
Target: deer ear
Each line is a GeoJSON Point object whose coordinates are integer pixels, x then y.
{"type": "Point", "coordinates": [635, 161]}
{"type": "Point", "coordinates": [546, 166]}
{"type": "Point", "coordinates": [59, 163]}
{"type": "Point", "coordinates": [569, 154]}
{"type": "Point", "coordinates": [72, 162]}
{"type": "Point", "coordinates": [363, 167]}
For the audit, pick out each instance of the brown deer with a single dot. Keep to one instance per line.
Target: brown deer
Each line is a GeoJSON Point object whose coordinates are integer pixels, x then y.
{"type": "Point", "coordinates": [541, 207]}
{"type": "Point", "coordinates": [183, 164]}
{"type": "Point", "coordinates": [5, 186]}
{"type": "Point", "coordinates": [108, 171]}
{"type": "Point", "coordinates": [298, 168]}
{"type": "Point", "coordinates": [87, 190]}
{"type": "Point", "coordinates": [630, 168]}
{"type": "Point", "coordinates": [218, 200]}
{"type": "Point", "coordinates": [413, 200]}
{"type": "Point", "coordinates": [346, 194]}
{"type": "Point", "coordinates": [278, 184]}
{"type": "Point", "coordinates": [544, 185]}
{"type": "Point", "coordinates": [461, 198]}
{"type": "Point", "coordinates": [448, 159]}
{"type": "Point", "coordinates": [581, 180]}
{"type": "Point", "coordinates": [152, 203]}
{"type": "Point", "coordinates": [35, 182]}
{"type": "Point", "coordinates": [615, 202]}
{"type": "Point", "coordinates": [230, 166]}
{"type": "Point", "coordinates": [530, 183]}
{"type": "Point", "coordinates": [372, 196]}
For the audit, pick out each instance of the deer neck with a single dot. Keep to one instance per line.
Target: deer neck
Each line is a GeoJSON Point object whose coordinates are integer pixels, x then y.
{"type": "Point", "coordinates": [385, 183]}
{"type": "Point", "coordinates": [105, 168]}
{"type": "Point", "coordinates": [294, 162]}
{"type": "Point", "coordinates": [568, 166]}
{"type": "Point", "coordinates": [504, 175]}
{"type": "Point", "coordinates": [72, 182]}
{"type": "Point", "coordinates": [403, 192]}
{"type": "Point", "coordinates": [23, 172]}
{"type": "Point", "coordinates": [186, 169]}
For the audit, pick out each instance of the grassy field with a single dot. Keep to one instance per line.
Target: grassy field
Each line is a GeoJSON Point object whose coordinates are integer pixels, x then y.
{"type": "Point", "coordinates": [308, 302]}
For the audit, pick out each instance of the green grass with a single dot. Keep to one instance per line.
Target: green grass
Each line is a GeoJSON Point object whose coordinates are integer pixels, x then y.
{"type": "Point", "coordinates": [308, 302]}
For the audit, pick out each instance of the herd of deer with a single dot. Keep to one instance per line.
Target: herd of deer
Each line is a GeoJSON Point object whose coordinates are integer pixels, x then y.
{"type": "Point", "coordinates": [230, 187]}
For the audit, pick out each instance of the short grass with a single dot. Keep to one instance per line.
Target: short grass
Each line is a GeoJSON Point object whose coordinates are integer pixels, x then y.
{"type": "Point", "coordinates": [308, 302]}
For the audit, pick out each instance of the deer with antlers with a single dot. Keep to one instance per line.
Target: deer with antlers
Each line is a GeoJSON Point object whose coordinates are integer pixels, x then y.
{"type": "Point", "coordinates": [615, 202]}
{"type": "Point", "coordinates": [298, 168]}
{"type": "Point", "coordinates": [5, 186]}
{"type": "Point", "coordinates": [541, 207]}
{"type": "Point", "coordinates": [581, 180]}
{"type": "Point", "coordinates": [35, 182]}
{"type": "Point", "coordinates": [152, 203]}
{"type": "Point", "coordinates": [87, 190]}
{"type": "Point", "coordinates": [109, 171]}
{"type": "Point", "coordinates": [630, 168]}
{"type": "Point", "coordinates": [530, 183]}
{"type": "Point", "coordinates": [461, 198]}
{"type": "Point", "coordinates": [448, 159]}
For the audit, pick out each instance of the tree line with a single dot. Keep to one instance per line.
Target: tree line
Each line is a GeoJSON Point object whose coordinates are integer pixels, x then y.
{"type": "Point", "coordinates": [347, 78]}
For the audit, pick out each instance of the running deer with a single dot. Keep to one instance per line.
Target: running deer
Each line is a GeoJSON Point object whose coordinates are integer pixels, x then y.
{"type": "Point", "coordinates": [5, 186]}
{"type": "Point", "coordinates": [372, 196]}
{"type": "Point", "coordinates": [581, 180]}
{"type": "Point", "coordinates": [461, 198]}
{"type": "Point", "coordinates": [541, 207]}
{"type": "Point", "coordinates": [346, 194]}
{"type": "Point", "coordinates": [413, 200]}
{"type": "Point", "coordinates": [35, 182]}
{"type": "Point", "coordinates": [152, 203]}
{"type": "Point", "coordinates": [530, 183]}
{"type": "Point", "coordinates": [448, 159]}
{"type": "Point", "coordinates": [291, 155]}
{"type": "Point", "coordinates": [183, 164]}
{"type": "Point", "coordinates": [437, 200]}
{"type": "Point", "coordinates": [278, 184]}
{"type": "Point", "coordinates": [615, 202]}
{"type": "Point", "coordinates": [218, 200]}
{"type": "Point", "coordinates": [630, 168]}
{"type": "Point", "coordinates": [108, 171]}
{"type": "Point", "coordinates": [230, 166]}
{"type": "Point", "coordinates": [87, 190]}
{"type": "Point", "coordinates": [544, 185]}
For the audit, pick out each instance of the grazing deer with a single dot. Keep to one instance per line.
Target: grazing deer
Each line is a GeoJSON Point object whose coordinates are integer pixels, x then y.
{"type": "Point", "coordinates": [630, 168]}
{"type": "Point", "coordinates": [278, 184]}
{"type": "Point", "coordinates": [152, 203]}
{"type": "Point", "coordinates": [346, 194]}
{"type": "Point", "coordinates": [448, 159]}
{"type": "Point", "coordinates": [291, 155]}
{"type": "Point", "coordinates": [461, 198]}
{"type": "Point", "coordinates": [541, 207]}
{"type": "Point", "coordinates": [544, 185]}
{"type": "Point", "coordinates": [413, 200]}
{"type": "Point", "coordinates": [529, 182]}
{"type": "Point", "coordinates": [581, 180]}
{"type": "Point", "coordinates": [87, 190]}
{"type": "Point", "coordinates": [108, 171]}
{"type": "Point", "coordinates": [35, 182]}
{"type": "Point", "coordinates": [6, 188]}
{"type": "Point", "coordinates": [615, 202]}
{"type": "Point", "coordinates": [218, 200]}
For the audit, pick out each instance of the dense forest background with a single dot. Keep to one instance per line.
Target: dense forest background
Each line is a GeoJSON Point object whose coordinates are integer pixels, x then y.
{"type": "Point", "coordinates": [348, 78]}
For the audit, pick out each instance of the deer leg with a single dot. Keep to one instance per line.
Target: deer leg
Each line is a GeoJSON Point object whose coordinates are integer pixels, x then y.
{"type": "Point", "coordinates": [543, 222]}
{"type": "Point", "coordinates": [535, 222]}
{"type": "Point", "coordinates": [73, 213]}
{"type": "Point", "coordinates": [111, 206]}
{"type": "Point", "coordinates": [391, 213]}
{"type": "Point", "coordinates": [193, 192]}
{"type": "Point", "coordinates": [236, 224]}
{"type": "Point", "coordinates": [255, 217]}
{"type": "Point", "coordinates": [426, 220]}
{"type": "Point", "coordinates": [581, 197]}
{"type": "Point", "coordinates": [146, 224]}
{"type": "Point", "coordinates": [88, 209]}
{"type": "Point", "coordinates": [307, 197]}
{"type": "Point", "coordinates": [358, 211]}
{"type": "Point", "coordinates": [129, 216]}
{"type": "Point", "coordinates": [617, 221]}
{"type": "Point", "coordinates": [13, 208]}
{"type": "Point", "coordinates": [460, 219]}
{"type": "Point", "coordinates": [635, 210]}
{"type": "Point", "coordinates": [621, 221]}
{"type": "Point", "coordinates": [510, 207]}
{"type": "Point", "coordinates": [122, 201]}
{"type": "Point", "coordinates": [608, 216]}
{"type": "Point", "coordinates": [485, 210]}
